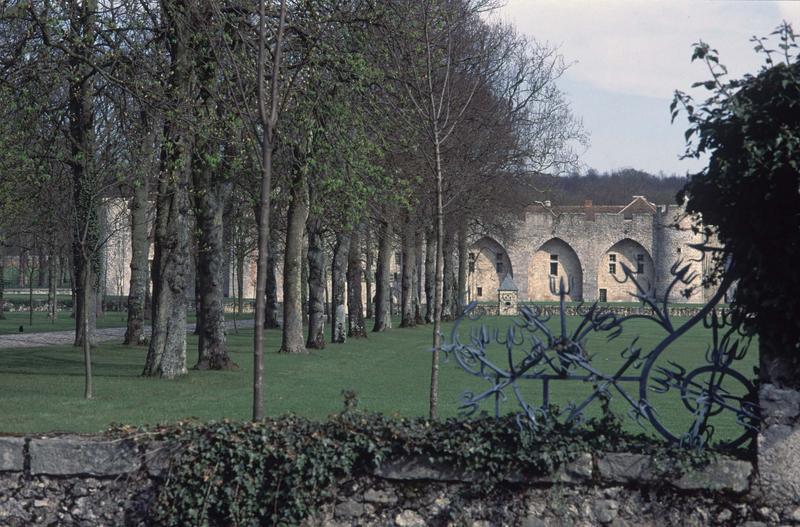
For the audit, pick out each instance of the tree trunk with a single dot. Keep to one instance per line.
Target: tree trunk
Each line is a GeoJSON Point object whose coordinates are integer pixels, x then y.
{"type": "Point", "coordinates": [166, 355]}
{"type": "Point", "coordinates": [433, 399]}
{"type": "Point", "coordinates": [293, 341]}
{"type": "Point", "coordinates": [268, 122]}
{"type": "Point", "coordinates": [211, 191]}
{"type": "Point", "coordinates": [316, 285]}
{"type": "Point", "coordinates": [430, 258]}
{"type": "Point", "coordinates": [355, 309]}
{"type": "Point", "coordinates": [461, 287]}
{"type": "Point", "coordinates": [139, 255]}
{"type": "Point", "coordinates": [449, 278]}
{"type": "Point", "coordinates": [383, 279]}
{"type": "Point", "coordinates": [85, 181]}
{"type": "Point", "coordinates": [23, 269]}
{"type": "Point", "coordinates": [409, 262]}
{"type": "Point", "coordinates": [271, 307]}
{"type": "Point", "coordinates": [240, 283]}
{"type": "Point", "coordinates": [419, 277]}
{"type": "Point", "coordinates": [2, 278]}
{"type": "Point", "coordinates": [42, 267]}
{"type": "Point", "coordinates": [368, 273]}
{"type": "Point", "coordinates": [52, 296]}
{"type": "Point", "coordinates": [198, 308]}
{"type": "Point", "coordinates": [88, 388]}
{"type": "Point", "coordinates": [304, 281]}
{"type": "Point", "coordinates": [338, 273]}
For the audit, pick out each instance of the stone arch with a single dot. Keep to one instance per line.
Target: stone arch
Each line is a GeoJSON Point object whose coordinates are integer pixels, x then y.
{"type": "Point", "coordinates": [488, 265]}
{"type": "Point", "coordinates": [611, 277]}
{"type": "Point", "coordinates": [553, 260]}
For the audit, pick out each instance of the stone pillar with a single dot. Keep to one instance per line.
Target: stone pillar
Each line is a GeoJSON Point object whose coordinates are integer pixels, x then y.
{"type": "Point", "coordinates": [778, 480]}
{"type": "Point", "coordinates": [507, 297]}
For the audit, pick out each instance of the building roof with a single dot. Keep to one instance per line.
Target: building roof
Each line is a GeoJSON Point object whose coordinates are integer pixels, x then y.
{"type": "Point", "coordinates": [638, 205]}
{"type": "Point", "coordinates": [508, 284]}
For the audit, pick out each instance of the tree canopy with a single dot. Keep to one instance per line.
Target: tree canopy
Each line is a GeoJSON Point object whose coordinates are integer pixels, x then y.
{"type": "Point", "coordinates": [749, 193]}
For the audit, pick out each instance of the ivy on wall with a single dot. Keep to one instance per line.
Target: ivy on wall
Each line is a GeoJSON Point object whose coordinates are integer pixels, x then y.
{"type": "Point", "coordinates": [277, 472]}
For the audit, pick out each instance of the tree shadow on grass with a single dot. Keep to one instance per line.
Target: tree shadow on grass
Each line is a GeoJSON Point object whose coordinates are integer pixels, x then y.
{"type": "Point", "coordinates": [60, 362]}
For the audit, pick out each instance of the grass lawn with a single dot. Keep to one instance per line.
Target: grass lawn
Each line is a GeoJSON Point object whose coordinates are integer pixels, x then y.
{"type": "Point", "coordinates": [42, 324]}
{"type": "Point", "coordinates": [41, 389]}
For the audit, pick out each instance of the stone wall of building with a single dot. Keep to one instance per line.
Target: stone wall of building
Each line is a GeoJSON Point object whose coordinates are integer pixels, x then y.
{"type": "Point", "coordinates": [581, 241]}
{"type": "Point", "coordinates": [97, 481]}
{"type": "Point", "coordinates": [584, 241]}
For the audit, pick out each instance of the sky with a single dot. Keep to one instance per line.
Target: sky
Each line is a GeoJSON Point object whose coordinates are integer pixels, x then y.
{"type": "Point", "coordinates": [628, 57]}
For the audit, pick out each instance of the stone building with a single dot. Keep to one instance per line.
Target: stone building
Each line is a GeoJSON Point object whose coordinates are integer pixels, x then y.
{"type": "Point", "coordinates": [588, 246]}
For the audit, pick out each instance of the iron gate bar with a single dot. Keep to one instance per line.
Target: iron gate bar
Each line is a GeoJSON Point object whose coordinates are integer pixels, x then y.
{"type": "Point", "coordinates": [555, 358]}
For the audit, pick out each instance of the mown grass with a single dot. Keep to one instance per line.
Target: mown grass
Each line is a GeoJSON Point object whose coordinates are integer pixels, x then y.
{"type": "Point", "coordinates": [41, 389]}
{"type": "Point", "coordinates": [63, 322]}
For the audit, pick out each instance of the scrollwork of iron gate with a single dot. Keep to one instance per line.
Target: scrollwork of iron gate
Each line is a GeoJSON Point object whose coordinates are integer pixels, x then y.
{"type": "Point", "coordinates": [535, 352]}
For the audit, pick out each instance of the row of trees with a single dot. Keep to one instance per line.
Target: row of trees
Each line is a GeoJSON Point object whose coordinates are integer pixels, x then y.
{"type": "Point", "coordinates": [305, 130]}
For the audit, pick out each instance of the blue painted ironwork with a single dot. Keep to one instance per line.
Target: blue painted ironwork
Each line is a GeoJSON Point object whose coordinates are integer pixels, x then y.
{"type": "Point", "coordinates": [536, 353]}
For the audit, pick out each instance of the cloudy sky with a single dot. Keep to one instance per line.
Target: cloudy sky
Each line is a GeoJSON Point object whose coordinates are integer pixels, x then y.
{"type": "Point", "coordinates": [629, 56]}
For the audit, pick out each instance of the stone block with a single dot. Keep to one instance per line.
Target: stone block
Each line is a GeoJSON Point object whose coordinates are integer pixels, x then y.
{"type": "Point", "coordinates": [380, 496]}
{"type": "Point", "coordinates": [409, 518]}
{"type": "Point", "coordinates": [605, 511]}
{"type": "Point", "coordinates": [625, 468]}
{"type": "Point", "coordinates": [12, 454]}
{"type": "Point", "coordinates": [779, 464]}
{"type": "Point", "coordinates": [349, 509]}
{"type": "Point", "coordinates": [779, 406]}
{"type": "Point", "coordinates": [730, 475]}
{"type": "Point", "coordinates": [63, 456]}
{"type": "Point", "coordinates": [576, 471]}
{"type": "Point", "coordinates": [420, 468]}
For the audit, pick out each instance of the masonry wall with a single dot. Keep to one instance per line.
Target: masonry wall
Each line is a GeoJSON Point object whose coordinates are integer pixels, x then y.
{"type": "Point", "coordinates": [97, 481]}
{"type": "Point", "coordinates": [582, 240]}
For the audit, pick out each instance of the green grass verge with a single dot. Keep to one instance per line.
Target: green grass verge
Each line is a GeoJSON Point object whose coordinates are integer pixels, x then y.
{"type": "Point", "coordinates": [42, 388]}
{"type": "Point", "coordinates": [42, 324]}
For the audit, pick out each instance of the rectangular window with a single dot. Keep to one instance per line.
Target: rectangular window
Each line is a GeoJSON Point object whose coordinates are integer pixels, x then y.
{"type": "Point", "coordinates": [398, 258]}
{"type": "Point", "coordinates": [603, 295]}
{"type": "Point", "coordinates": [612, 268]}
{"type": "Point", "coordinates": [480, 291]}
{"type": "Point", "coordinates": [471, 263]}
{"type": "Point", "coordinates": [553, 265]}
{"type": "Point", "coordinates": [640, 263]}
{"type": "Point", "coordinates": [499, 266]}
{"type": "Point", "coordinates": [612, 257]}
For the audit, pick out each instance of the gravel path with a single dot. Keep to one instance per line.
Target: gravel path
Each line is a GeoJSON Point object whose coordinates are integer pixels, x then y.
{"type": "Point", "coordinates": [61, 338]}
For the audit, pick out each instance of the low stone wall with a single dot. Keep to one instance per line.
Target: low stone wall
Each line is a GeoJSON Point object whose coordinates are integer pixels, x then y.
{"type": "Point", "coordinates": [492, 309]}
{"type": "Point", "coordinates": [96, 481]}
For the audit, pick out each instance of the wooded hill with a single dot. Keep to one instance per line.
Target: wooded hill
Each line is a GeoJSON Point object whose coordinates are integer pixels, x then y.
{"type": "Point", "coordinates": [614, 188]}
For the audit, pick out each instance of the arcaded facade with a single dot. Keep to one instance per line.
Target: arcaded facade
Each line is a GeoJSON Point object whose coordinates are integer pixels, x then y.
{"type": "Point", "coordinates": [586, 247]}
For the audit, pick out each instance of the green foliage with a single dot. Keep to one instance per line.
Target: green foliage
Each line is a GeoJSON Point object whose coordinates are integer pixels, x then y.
{"type": "Point", "coordinates": [749, 194]}
{"type": "Point", "coordinates": [277, 472]}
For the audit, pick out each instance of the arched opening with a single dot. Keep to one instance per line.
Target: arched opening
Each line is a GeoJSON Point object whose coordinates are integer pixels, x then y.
{"type": "Point", "coordinates": [555, 260]}
{"type": "Point", "coordinates": [611, 281]}
{"type": "Point", "coordinates": [488, 264]}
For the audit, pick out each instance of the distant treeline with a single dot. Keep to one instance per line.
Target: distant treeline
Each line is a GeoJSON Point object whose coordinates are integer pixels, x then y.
{"type": "Point", "coordinates": [614, 188]}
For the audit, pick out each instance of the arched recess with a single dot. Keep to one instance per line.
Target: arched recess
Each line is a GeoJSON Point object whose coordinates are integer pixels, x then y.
{"type": "Point", "coordinates": [611, 283]}
{"type": "Point", "coordinates": [555, 260]}
{"type": "Point", "coordinates": [488, 265]}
